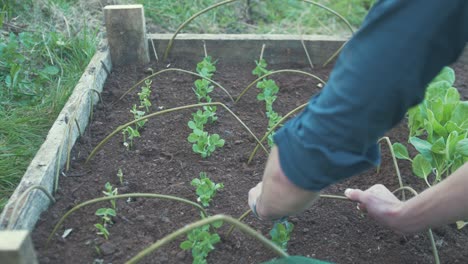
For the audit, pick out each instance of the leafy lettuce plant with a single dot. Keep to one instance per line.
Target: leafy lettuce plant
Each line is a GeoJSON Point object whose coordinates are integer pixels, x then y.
{"type": "Point", "coordinates": [438, 130]}
{"type": "Point", "coordinates": [206, 189]}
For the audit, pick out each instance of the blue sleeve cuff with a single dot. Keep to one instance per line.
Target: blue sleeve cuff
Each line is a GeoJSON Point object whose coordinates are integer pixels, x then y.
{"type": "Point", "coordinates": [312, 166]}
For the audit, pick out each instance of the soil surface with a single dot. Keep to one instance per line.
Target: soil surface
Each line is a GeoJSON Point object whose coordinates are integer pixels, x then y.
{"type": "Point", "coordinates": [162, 162]}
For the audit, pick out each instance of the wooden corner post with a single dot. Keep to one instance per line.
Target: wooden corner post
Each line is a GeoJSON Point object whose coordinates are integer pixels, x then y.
{"type": "Point", "coordinates": [16, 247]}
{"type": "Point", "coordinates": [126, 34]}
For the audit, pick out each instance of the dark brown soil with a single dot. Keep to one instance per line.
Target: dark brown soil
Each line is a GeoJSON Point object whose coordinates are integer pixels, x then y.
{"type": "Point", "coordinates": [162, 162]}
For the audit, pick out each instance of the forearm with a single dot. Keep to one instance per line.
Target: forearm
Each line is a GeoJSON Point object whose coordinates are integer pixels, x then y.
{"type": "Point", "coordinates": [280, 197]}
{"type": "Point", "coordinates": [441, 204]}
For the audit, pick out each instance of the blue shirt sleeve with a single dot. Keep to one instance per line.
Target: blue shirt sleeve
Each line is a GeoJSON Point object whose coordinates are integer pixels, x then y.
{"type": "Point", "coordinates": [382, 71]}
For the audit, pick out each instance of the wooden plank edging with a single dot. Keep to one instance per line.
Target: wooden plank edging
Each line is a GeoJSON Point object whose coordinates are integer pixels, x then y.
{"type": "Point", "coordinates": [245, 48]}
{"type": "Point", "coordinates": [52, 154]}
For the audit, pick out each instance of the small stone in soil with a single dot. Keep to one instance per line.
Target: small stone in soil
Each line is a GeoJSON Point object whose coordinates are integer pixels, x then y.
{"type": "Point", "coordinates": [140, 218]}
{"type": "Point", "coordinates": [107, 248]}
{"type": "Point", "coordinates": [181, 255]}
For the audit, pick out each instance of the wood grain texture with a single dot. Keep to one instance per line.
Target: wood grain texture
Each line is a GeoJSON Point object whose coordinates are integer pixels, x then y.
{"type": "Point", "coordinates": [126, 34]}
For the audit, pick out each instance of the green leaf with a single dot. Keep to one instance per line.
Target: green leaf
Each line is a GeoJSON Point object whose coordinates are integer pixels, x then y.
{"type": "Point", "coordinates": [421, 166]}
{"type": "Point", "coordinates": [186, 245]}
{"type": "Point", "coordinates": [422, 146]}
{"type": "Point", "coordinates": [452, 95]}
{"type": "Point", "coordinates": [192, 138]}
{"type": "Point", "coordinates": [460, 115]}
{"type": "Point", "coordinates": [446, 74]}
{"type": "Point", "coordinates": [217, 224]}
{"type": "Point", "coordinates": [101, 211]}
{"type": "Point", "coordinates": [462, 147]}
{"type": "Point", "coordinates": [400, 151]}
{"type": "Point", "coordinates": [435, 125]}
{"type": "Point", "coordinates": [451, 144]}
{"type": "Point", "coordinates": [451, 126]}
{"type": "Point", "coordinates": [110, 212]}
{"type": "Point", "coordinates": [50, 70]}
{"type": "Point", "coordinates": [437, 90]}
{"type": "Point", "coordinates": [439, 146]}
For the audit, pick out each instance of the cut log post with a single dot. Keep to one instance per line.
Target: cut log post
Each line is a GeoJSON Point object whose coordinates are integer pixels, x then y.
{"type": "Point", "coordinates": [126, 34]}
{"type": "Point", "coordinates": [16, 247]}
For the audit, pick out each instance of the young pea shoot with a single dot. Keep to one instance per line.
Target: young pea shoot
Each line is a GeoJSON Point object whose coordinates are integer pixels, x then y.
{"type": "Point", "coordinates": [268, 91]}
{"type": "Point", "coordinates": [102, 230]}
{"type": "Point", "coordinates": [136, 115]}
{"type": "Point", "coordinates": [120, 175]}
{"type": "Point", "coordinates": [144, 95]}
{"type": "Point", "coordinates": [281, 233]}
{"type": "Point", "coordinates": [109, 192]}
{"type": "Point", "coordinates": [201, 241]}
{"type": "Point", "coordinates": [206, 189]}
{"type": "Point", "coordinates": [106, 215]}
{"type": "Point", "coordinates": [129, 133]}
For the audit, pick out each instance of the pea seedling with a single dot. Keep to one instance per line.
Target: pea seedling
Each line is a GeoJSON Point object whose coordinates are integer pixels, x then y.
{"type": "Point", "coordinates": [102, 230]}
{"type": "Point", "coordinates": [268, 91]}
{"type": "Point", "coordinates": [206, 189]}
{"type": "Point", "coordinates": [144, 95]}
{"type": "Point", "coordinates": [202, 242]}
{"type": "Point", "coordinates": [109, 192]}
{"type": "Point", "coordinates": [131, 133]}
{"type": "Point", "coordinates": [281, 234]}
{"type": "Point", "coordinates": [106, 215]}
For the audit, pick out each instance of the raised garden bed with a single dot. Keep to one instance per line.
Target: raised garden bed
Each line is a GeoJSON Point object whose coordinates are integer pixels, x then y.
{"type": "Point", "coordinates": [162, 162]}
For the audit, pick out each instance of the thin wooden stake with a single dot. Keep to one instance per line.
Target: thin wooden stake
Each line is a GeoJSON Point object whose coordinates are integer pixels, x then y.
{"type": "Point", "coordinates": [204, 48]}
{"type": "Point", "coordinates": [154, 50]}
{"type": "Point", "coordinates": [307, 53]}
{"type": "Point", "coordinates": [261, 52]}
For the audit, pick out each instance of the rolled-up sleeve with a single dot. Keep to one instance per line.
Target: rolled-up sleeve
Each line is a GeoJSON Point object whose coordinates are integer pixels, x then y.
{"type": "Point", "coordinates": [382, 71]}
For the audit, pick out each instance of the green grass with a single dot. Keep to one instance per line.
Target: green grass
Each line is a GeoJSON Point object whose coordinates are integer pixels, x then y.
{"type": "Point", "coordinates": [255, 16]}
{"type": "Point", "coordinates": [39, 68]}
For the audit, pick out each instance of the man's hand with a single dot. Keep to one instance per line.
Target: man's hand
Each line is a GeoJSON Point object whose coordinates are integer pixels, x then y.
{"type": "Point", "coordinates": [379, 203]}
{"type": "Point", "coordinates": [254, 193]}
{"type": "Point", "coordinates": [276, 196]}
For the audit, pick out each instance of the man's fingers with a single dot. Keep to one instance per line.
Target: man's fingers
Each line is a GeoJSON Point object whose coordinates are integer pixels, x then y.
{"type": "Point", "coordinates": [355, 195]}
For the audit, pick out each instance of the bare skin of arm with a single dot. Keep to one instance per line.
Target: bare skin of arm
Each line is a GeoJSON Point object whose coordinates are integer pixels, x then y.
{"type": "Point", "coordinates": [276, 196]}
{"type": "Point", "coordinates": [441, 204]}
